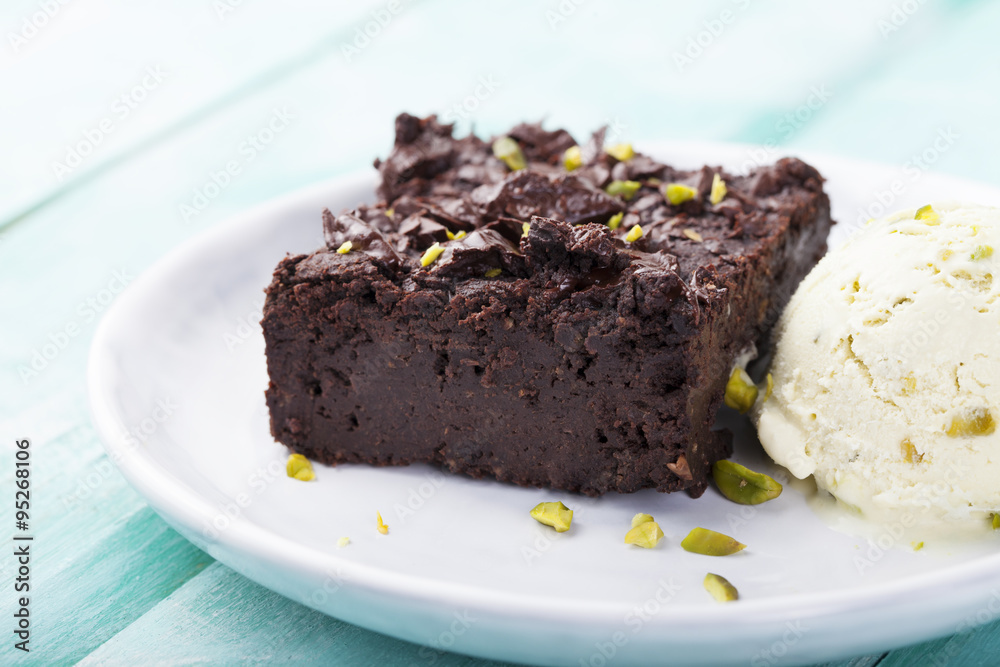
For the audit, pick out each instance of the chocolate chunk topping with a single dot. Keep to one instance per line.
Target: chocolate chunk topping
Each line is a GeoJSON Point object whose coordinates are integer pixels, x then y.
{"type": "Point", "coordinates": [527, 193]}
{"type": "Point", "coordinates": [477, 253]}
{"type": "Point", "coordinates": [423, 231]}
{"type": "Point", "coordinates": [424, 148]}
{"type": "Point", "coordinates": [363, 237]}
{"type": "Point", "coordinates": [539, 145]}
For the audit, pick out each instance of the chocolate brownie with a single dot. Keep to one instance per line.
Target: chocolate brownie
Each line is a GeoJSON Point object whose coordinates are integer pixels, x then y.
{"type": "Point", "coordinates": [512, 323]}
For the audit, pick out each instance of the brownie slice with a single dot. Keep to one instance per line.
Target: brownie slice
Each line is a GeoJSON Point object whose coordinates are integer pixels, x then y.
{"type": "Point", "coordinates": [557, 354]}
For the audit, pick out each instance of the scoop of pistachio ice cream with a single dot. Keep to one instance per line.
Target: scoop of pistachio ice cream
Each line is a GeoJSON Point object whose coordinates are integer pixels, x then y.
{"type": "Point", "coordinates": [887, 369]}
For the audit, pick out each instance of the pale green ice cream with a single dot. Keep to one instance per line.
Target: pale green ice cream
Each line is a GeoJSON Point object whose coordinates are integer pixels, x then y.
{"type": "Point", "coordinates": [887, 369]}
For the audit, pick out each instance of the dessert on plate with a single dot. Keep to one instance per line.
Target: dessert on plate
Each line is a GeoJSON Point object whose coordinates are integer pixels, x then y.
{"type": "Point", "coordinates": [535, 310]}
{"type": "Point", "coordinates": [887, 369]}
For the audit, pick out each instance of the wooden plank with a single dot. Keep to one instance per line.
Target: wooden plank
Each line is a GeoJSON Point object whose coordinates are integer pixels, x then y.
{"type": "Point", "coordinates": [862, 661]}
{"type": "Point", "coordinates": [85, 594]}
{"type": "Point", "coordinates": [220, 617]}
{"type": "Point", "coordinates": [978, 647]}
{"type": "Point", "coordinates": [100, 557]}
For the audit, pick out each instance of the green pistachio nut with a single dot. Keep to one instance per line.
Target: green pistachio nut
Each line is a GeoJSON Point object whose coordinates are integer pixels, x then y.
{"type": "Point", "coordinates": [977, 422]}
{"type": "Point", "coordinates": [300, 468]}
{"type": "Point", "coordinates": [554, 514]}
{"type": "Point", "coordinates": [507, 150]}
{"type": "Point", "coordinates": [742, 485]}
{"type": "Point", "coordinates": [741, 392]}
{"type": "Point", "coordinates": [982, 252]}
{"type": "Point", "coordinates": [710, 543]}
{"type": "Point", "coordinates": [719, 190]}
{"type": "Point", "coordinates": [720, 588]}
{"type": "Point", "coordinates": [625, 189]}
{"type": "Point", "coordinates": [928, 215]}
{"type": "Point", "coordinates": [621, 152]}
{"type": "Point", "coordinates": [572, 158]}
{"type": "Point", "coordinates": [678, 193]}
{"type": "Point", "coordinates": [634, 234]}
{"type": "Point", "coordinates": [431, 254]}
{"type": "Point", "coordinates": [646, 535]}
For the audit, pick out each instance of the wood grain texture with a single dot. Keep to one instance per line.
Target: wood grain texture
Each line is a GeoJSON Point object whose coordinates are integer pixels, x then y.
{"type": "Point", "coordinates": [222, 618]}
{"type": "Point", "coordinates": [114, 584]}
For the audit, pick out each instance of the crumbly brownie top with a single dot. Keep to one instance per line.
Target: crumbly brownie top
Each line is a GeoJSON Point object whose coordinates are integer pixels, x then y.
{"type": "Point", "coordinates": [437, 189]}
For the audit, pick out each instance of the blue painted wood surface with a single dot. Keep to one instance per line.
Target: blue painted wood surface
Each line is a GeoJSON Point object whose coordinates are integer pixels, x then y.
{"type": "Point", "coordinates": [115, 116]}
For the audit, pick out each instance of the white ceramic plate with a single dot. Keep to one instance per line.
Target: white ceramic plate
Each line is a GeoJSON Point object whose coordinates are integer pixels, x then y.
{"type": "Point", "coordinates": [176, 382]}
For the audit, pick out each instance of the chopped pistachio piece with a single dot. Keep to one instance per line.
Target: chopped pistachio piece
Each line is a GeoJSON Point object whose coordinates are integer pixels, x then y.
{"type": "Point", "coordinates": [927, 214]}
{"type": "Point", "coordinates": [917, 546]}
{"type": "Point", "coordinates": [720, 588]}
{"type": "Point", "coordinates": [525, 228]}
{"type": "Point", "coordinates": [554, 514]}
{"type": "Point", "coordinates": [343, 542]}
{"type": "Point", "coordinates": [615, 221]}
{"type": "Point", "coordinates": [646, 535]}
{"type": "Point", "coordinates": [741, 392]}
{"type": "Point", "coordinates": [982, 252]}
{"type": "Point", "coordinates": [493, 273]}
{"type": "Point", "coordinates": [634, 234]}
{"type": "Point", "coordinates": [452, 236]}
{"type": "Point", "coordinates": [693, 235]}
{"type": "Point", "coordinates": [507, 150]}
{"type": "Point", "coordinates": [345, 248]}
{"type": "Point", "coordinates": [770, 387]}
{"type": "Point", "coordinates": [572, 158]}
{"type": "Point", "coordinates": [910, 453]}
{"type": "Point", "coordinates": [641, 518]}
{"type": "Point", "coordinates": [620, 152]}
{"type": "Point", "coordinates": [300, 468]}
{"type": "Point", "coordinates": [389, 212]}
{"type": "Point", "coordinates": [625, 189]}
{"type": "Point", "coordinates": [978, 422]}
{"type": "Point", "coordinates": [719, 190]}
{"type": "Point", "coordinates": [710, 543]}
{"type": "Point", "coordinates": [996, 522]}
{"type": "Point", "coordinates": [380, 525]}
{"type": "Point", "coordinates": [742, 485]}
{"type": "Point", "coordinates": [678, 193]}
{"type": "Point", "coordinates": [431, 254]}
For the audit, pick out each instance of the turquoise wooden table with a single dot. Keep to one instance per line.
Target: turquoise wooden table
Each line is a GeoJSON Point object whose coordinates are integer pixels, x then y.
{"type": "Point", "coordinates": [118, 120]}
